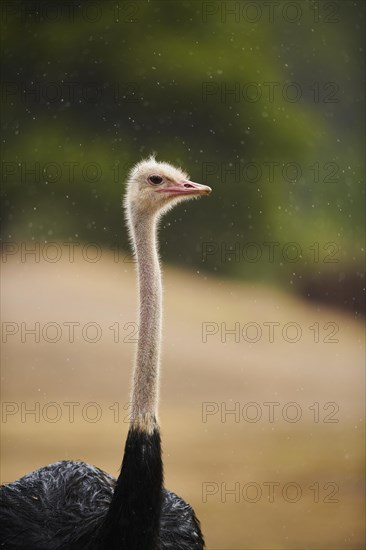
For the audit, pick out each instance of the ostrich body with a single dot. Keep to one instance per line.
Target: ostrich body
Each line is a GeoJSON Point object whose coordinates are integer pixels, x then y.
{"type": "Point", "coordinates": [71, 505]}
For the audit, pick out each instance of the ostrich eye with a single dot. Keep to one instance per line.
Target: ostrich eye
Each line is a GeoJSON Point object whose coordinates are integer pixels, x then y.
{"type": "Point", "coordinates": [155, 180]}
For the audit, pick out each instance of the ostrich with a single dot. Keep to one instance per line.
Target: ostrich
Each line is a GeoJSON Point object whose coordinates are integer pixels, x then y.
{"type": "Point", "coordinates": [71, 505]}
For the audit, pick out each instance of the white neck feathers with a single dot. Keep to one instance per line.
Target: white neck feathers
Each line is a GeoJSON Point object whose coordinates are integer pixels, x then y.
{"type": "Point", "coordinates": [145, 390]}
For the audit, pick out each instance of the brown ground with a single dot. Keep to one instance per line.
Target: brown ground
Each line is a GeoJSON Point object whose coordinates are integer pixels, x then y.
{"type": "Point", "coordinates": [202, 459]}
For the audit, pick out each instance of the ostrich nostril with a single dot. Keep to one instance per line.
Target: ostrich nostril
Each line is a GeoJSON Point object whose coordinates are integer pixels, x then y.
{"type": "Point", "coordinates": [188, 185]}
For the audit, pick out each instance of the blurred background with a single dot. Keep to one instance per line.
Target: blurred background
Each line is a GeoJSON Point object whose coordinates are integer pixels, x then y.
{"type": "Point", "coordinates": [263, 101]}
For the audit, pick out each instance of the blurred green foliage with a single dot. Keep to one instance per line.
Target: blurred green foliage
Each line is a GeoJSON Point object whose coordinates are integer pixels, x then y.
{"type": "Point", "coordinates": [260, 100]}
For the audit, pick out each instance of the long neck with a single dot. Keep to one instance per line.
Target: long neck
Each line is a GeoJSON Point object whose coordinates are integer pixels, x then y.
{"type": "Point", "coordinates": [145, 393]}
{"type": "Point", "coordinates": [133, 518]}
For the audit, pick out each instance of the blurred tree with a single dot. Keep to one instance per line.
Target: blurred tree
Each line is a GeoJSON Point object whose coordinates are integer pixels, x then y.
{"type": "Point", "coordinates": [261, 101]}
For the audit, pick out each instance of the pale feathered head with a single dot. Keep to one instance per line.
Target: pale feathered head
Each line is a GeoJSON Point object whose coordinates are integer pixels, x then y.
{"type": "Point", "coordinates": [153, 187]}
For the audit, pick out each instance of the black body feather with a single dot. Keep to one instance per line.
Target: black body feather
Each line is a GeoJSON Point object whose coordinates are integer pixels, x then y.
{"type": "Point", "coordinates": [75, 506]}
{"type": "Point", "coordinates": [133, 518]}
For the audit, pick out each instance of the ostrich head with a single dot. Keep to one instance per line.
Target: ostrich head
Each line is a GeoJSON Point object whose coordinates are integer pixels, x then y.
{"type": "Point", "coordinates": [154, 187]}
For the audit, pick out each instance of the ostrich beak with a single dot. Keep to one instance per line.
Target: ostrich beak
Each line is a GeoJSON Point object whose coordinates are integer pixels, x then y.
{"type": "Point", "coordinates": [186, 187]}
